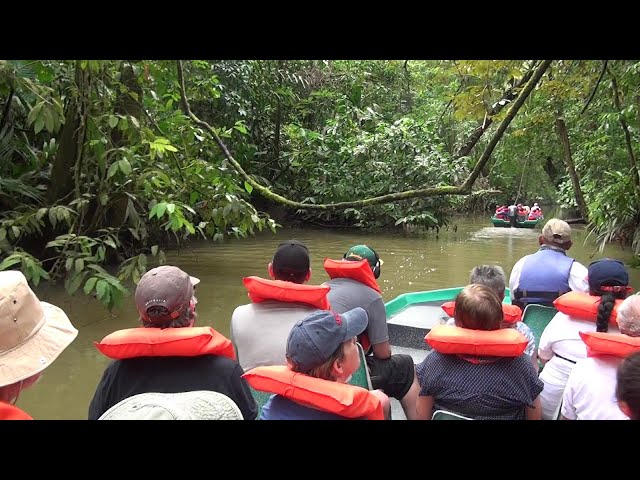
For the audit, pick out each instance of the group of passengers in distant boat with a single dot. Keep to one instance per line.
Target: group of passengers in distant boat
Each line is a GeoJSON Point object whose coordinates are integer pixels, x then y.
{"type": "Point", "coordinates": [519, 211]}
{"type": "Point", "coordinates": [301, 344]}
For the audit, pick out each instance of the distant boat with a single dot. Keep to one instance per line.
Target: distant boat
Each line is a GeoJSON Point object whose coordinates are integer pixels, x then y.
{"type": "Point", "coordinates": [498, 222]}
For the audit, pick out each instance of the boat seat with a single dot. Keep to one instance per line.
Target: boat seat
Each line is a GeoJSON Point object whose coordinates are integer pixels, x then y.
{"type": "Point", "coordinates": [537, 317]}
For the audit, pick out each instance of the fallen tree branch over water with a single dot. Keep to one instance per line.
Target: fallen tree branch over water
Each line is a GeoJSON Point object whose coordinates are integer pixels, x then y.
{"type": "Point", "coordinates": [464, 189]}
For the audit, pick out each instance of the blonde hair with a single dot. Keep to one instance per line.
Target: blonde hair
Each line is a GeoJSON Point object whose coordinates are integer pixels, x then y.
{"type": "Point", "coordinates": [629, 316]}
{"type": "Point", "coordinates": [478, 308]}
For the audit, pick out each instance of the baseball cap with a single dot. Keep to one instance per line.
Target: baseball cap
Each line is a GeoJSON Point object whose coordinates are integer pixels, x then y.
{"type": "Point", "coordinates": [166, 286]}
{"type": "Point", "coordinates": [607, 272]}
{"type": "Point", "coordinates": [363, 252]}
{"type": "Point", "coordinates": [557, 231]}
{"type": "Point", "coordinates": [197, 405]}
{"type": "Point", "coordinates": [291, 256]}
{"type": "Point", "coordinates": [313, 340]}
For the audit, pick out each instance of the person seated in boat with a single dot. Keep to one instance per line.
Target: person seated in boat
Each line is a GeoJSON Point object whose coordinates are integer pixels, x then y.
{"type": "Point", "coordinates": [168, 354]}
{"type": "Point", "coordinates": [32, 336]}
{"type": "Point", "coordinates": [522, 213]}
{"type": "Point", "coordinates": [561, 346]}
{"type": "Point", "coordinates": [536, 212]}
{"type": "Point", "coordinates": [393, 374]}
{"type": "Point", "coordinates": [322, 346]}
{"type": "Point", "coordinates": [628, 386]}
{"type": "Point", "coordinates": [479, 387]}
{"type": "Point", "coordinates": [502, 212]}
{"type": "Point", "coordinates": [493, 276]}
{"type": "Point", "coordinates": [513, 214]}
{"type": "Point", "coordinates": [590, 393]}
{"type": "Point", "coordinates": [259, 329]}
{"type": "Point", "coordinates": [543, 276]}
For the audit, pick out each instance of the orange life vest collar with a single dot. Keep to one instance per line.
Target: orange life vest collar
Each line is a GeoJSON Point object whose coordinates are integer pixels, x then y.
{"type": "Point", "coordinates": [11, 412]}
{"type": "Point", "coordinates": [504, 342]}
{"type": "Point", "coordinates": [261, 289]}
{"type": "Point", "coordinates": [346, 400]}
{"type": "Point", "coordinates": [584, 306]}
{"type": "Point", "coordinates": [616, 344]}
{"type": "Point", "coordinates": [167, 342]}
{"type": "Point", "coordinates": [359, 271]}
{"type": "Point", "coordinates": [511, 313]}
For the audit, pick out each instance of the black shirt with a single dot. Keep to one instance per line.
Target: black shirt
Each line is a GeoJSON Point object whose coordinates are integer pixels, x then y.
{"type": "Point", "coordinates": [125, 378]}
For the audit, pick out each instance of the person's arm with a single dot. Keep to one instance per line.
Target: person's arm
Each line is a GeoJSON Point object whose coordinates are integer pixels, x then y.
{"type": "Point", "coordinates": [578, 278]}
{"type": "Point", "coordinates": [385, 401]}
{"type": "Point", "coordinates": [99, 403]}
{"type": "Point", "coordinates": [242, 395]}
{"type": "Point", "coordinates": [535, 412]}
{"type": "Point", "coordinates": [545, 346]}
{"type": "Point", "coordinates": [424, 407]}
{"type": "Point", "coordinates": [377, 330]}
{"type": "Point", "coordinates": [514, 278]}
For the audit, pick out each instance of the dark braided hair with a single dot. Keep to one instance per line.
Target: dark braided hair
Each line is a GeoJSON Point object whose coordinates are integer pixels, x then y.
{"type": "Point", "coordinates": [604, 311]}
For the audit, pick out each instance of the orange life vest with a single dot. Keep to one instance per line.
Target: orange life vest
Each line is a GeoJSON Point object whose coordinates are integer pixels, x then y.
{"type": "Point", "coordinates": [504, 342]}
{"type": "Point", "coordinates": [360, 271]}
{"type": "Point", "coordinates": [511, 313]}
{"type": "Point", "coordinates": [11, 412]}
{"type": "Point", "coordinates": [346, 400]}
{"type": "Point", "coordinates": [616, 344]}
{"type": "Point", "coordinates": [261, 289]}
{"type": "Point", "coordinates": [167, 342]}
{"type": "Point", "coordinates": [584, 306]}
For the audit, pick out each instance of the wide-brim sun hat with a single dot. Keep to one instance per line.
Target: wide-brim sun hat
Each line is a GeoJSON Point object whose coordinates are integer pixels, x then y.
{"type": "Point", "coordinates": [32, 333]}
{"type": "Point", "coordinates": [196, 405]}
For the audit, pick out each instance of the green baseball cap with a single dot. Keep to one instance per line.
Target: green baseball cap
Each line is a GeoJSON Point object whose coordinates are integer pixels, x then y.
{"type": "Point", "coordinates": [363, 252]}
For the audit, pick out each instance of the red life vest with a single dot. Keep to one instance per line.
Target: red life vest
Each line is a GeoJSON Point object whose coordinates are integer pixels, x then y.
{"type": "Point", "coordinates": [584, 306]}
{"type": "Point", "coordinates": [504, 342]}
{"type": "Point", "coordinates": [616, 344]}
{"type": "Point", "coordinates": [261, 289]}
{"type": "Point", "coordinates": [167, 342]}
{"type": "Point", "coordinates": [346, 400]}
{"type": "Point", "coordinates": [359, 271]}
{"type": "Point", "coordinates": [511, 313]}
{"type": "Point", "coordinates": [11, 412]}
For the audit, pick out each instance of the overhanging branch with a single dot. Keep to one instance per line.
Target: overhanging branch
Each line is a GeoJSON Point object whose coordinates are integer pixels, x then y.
{"type": "Point", "coordinates": [464, 189]}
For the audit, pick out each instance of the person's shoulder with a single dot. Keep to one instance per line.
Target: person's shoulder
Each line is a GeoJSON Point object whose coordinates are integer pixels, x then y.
{"type": "Point", "coordinates": [241, 309]}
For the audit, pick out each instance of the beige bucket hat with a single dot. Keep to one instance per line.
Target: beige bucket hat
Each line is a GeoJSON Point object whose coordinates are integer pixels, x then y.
{"type": "Point", "coordinates": [32, 333]}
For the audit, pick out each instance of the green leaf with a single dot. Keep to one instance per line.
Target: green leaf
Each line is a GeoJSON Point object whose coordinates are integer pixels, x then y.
{"type": "Point", "coordinates": [79, 265]}
{"type": "Point", "coordinates": [162, 207]}
{"type": "Point", "coordinates": [113, 121]}
{"type": "Point", "coordinates": [111, 243]}
{"type": "Point", "coordinates": [101, 288]}
{"type": "Point", "coordinates": [33, 114]}
{"type": "Point", "coordinates": [248, 187]}
{"type": "Point", "coordinates": [75, 282]}
{"type": "Point", "coordinates": [88, 286]}
{"type": "Point", "coordinates": [69, 264]}
{"type": "Point", "coordinates": [135, 121]}
{"type": "Point", "coordinates": [16, 231]}
{"type": "Point", "coordinates": [39, 125]}
{"type": "Point", "coordinates": [48, 120]}
{"type": "Point", "coordinates": [3, 234]}
{"type": "Point", "coordinates": [154, 250]}
{"type": "Point", "coordinates": [10, 261]}
{"type": "Point", "coordinates": [171, 207]}
{"type": "Point", "coordinates": [113, 169]}
{"type": "Point", "coordinates": [125, 166]}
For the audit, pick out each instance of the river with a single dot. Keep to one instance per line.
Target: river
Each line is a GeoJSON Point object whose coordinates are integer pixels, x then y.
{"type": "Point", "coordinates": [412, 262]}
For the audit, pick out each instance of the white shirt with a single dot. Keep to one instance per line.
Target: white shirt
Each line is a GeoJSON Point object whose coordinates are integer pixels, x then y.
{"type": "Point", "coordinates": [590, 393]}
{"type": "Point", "coordinates": [577, 276]}
{"type": "Point", "coordinates": [562, 337]}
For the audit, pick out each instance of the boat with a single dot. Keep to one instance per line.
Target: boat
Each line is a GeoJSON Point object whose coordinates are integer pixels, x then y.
{"type": "Point", "coordinates": [499, 222]}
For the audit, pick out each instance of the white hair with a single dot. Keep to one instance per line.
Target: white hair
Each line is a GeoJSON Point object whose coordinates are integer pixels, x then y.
{"type": "Point", "coordinates": [629, 316]}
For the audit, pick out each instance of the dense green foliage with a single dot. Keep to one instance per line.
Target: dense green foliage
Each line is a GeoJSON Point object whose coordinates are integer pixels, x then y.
{"type": "Point", "coordinates": [100, 168]}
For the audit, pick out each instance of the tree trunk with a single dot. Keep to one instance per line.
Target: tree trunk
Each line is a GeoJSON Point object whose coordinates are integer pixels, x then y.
{"type": "Point", "coordinates": [125, 105]}
{"type": "Point", "coordinates": [561, 129]}
{"type": "Point", "coordinates": [62, 184]}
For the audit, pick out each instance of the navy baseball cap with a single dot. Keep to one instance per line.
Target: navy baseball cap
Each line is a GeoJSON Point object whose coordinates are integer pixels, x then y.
{"type": "Point", "coordinates": [313, 340]}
